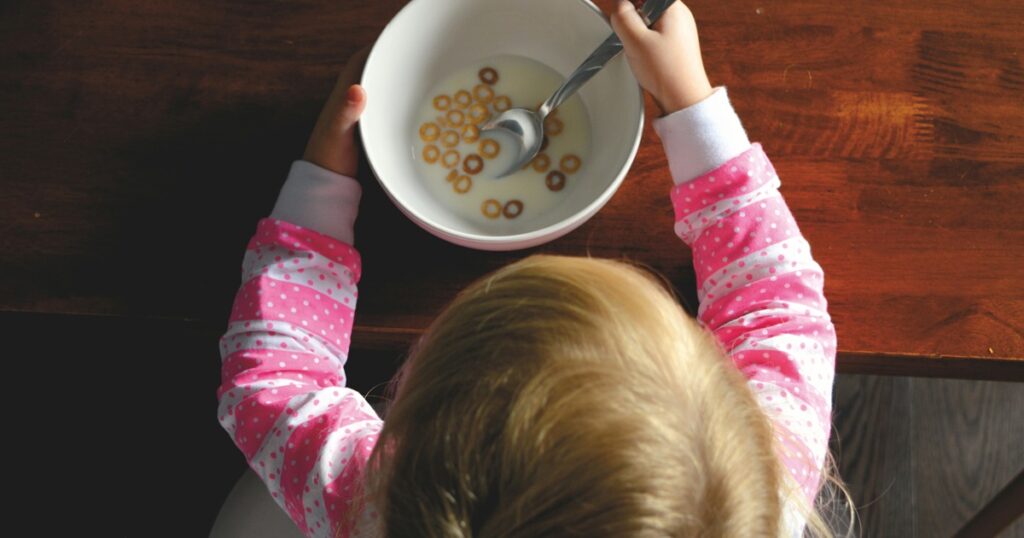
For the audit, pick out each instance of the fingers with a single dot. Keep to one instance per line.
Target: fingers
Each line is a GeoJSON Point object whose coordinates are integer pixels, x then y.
{"type": "Point", "coordinates": [673, 17]}
{"type": "Point", "coordinates": [348, 100]}
{"type": "Point", "coordinates": [355, 103]}
{"type": "Point", "coordinates": [332, 145]}
{"type": "Point", "coordinates": [628, 24]}
{"type": "Point", "coordinates": [353, 68]}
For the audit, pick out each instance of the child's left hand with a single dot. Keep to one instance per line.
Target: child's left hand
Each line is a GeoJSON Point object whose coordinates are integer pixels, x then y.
{"type": "Point", "coordinates": [332, 144]}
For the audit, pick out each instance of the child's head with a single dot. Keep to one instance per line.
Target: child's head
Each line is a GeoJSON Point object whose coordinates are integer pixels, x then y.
{"type": "Point", "coordinates": [573, 397]}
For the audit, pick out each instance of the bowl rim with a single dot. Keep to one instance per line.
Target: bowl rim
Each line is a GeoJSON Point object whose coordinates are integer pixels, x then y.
{"type": "Point", "coordinates": [514, 241]}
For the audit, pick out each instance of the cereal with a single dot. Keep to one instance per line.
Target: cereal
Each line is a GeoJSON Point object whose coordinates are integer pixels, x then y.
{"type": "Point", "coordinates": [483, 93]}
{"type": "Point", "coordinates": [450, 158]}
{"type": "Point", "coordinates": [473, 164]}
{"type": "Point", "coordinates": [429, 132]}
{"type": "Point", "coordinates": [555, 181]}
{"type": "Point", "coordinates": [463, 98]}
{"type": "Point", "coordinates": [458, 156]}
{"type": "Point", "coordinates": [455, 118]}
{"type": "Point", "coordinates": [431, 153]}
{"type": "Point", "coordinates": [569, 163]}
{"type": "Point", "coordinates": [489, 76]}
{"type": "Point", "coordinates": [502, 103]}
{"type": "Point", "coordinates": [470, 133]}
{"type": "Point", "coordinates": [442, 102]}
{"type": "Point", "coordinates": [489, 148]}
{"type": "Point", "coordinates": [553, 126]}
{"type": "Point", "coordinates": [462, 184]}
{"type": "Point", "coordinates": [513, 208]}
{"type": "Point", "coordinates": [450, 139]}
{"type": "Point", "coordinates": [541, 162]}
{"type": "Point", "coordinates": [478, 113]}
{"type": "Point", "coordinates": [491, 208]}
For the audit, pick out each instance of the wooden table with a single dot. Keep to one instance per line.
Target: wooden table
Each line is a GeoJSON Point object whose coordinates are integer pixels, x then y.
{"type": "Point", "coordinates": [141, 140]}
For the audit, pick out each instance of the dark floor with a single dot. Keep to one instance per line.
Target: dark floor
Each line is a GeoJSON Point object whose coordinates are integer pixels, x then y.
{"type": "Point", "coordinates": [117, 426]}
{"type": "Point", "coordinates": [921, 456]}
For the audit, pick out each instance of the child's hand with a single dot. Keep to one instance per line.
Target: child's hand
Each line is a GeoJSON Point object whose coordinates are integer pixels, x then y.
{"type": "Point", "coordinates": [665, 58]}
{"type": "Point", "coordinates": [332, 144]}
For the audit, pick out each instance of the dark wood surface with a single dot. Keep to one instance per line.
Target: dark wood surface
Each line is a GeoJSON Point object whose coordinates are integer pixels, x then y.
{"type": "Point", "coordinates": [140, 141]}
{"type": "Point", "coordinates": [1001, 512]}
{"type": "Point", "coordinates": [922, 456]}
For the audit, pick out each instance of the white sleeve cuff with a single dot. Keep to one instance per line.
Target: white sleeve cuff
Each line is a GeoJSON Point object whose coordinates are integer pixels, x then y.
{"type": "Point", "coordinates": [701, 137]}
{"type": "Point", "coordinates": [319, 199]}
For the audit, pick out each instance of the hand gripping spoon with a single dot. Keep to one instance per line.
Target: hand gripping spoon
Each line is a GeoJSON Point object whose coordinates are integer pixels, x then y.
{"type": "Point", "coordinates": [524, 128]}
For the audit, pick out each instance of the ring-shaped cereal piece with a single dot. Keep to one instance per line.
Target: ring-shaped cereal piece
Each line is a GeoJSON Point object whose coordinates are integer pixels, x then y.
{"type": "Point", "coordinates": [489, 148]}
{"type": "Point", "coordinates": [473, 164]}
{"type": "Point", "coordinates": [512, 209]}
{"type": "Point", "coordinates": [483, 93]}
{"type": "Point", "coordinates": [450, 139]}
{"type": "Point", "coordinates": [541, 162]}
{"type": "Point", "coordinates": [502, 103]}
{"type": "Point", "coordinates": [553, 126]}
{"type": "Point", "coordinates": [555, 181]}
{"type": "Point", "coordinates": [429, 132]}
{"type": "Point", "coordinates": [489, 76]}
{"type": "Point", "coordinates": [431, 153]}
{"type": "Point", "coordinates": [491, 208]}
{"type": "Point", "coordinates": [442, 102]}
{"type": "Point", "coordinates": [462, 184]}
{"type": "Point", "coordinates": [570, 163]}
{"type": "Point", "coordinates": [455, 118]}
{"type": "Point", "coordinates": [463, 98]}
{"type": "Point", "coordinates": [452, 176]}
{"type": "Point", "coordinates": [450, 159]}
{"type": "Point", "coordinates": [470, 133]}
{"type": "Point", "coordinates": [478, 113]}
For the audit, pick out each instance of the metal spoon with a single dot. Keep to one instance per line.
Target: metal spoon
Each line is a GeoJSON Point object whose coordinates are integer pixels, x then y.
{"type": "Point", "coordinates": [525, 128]}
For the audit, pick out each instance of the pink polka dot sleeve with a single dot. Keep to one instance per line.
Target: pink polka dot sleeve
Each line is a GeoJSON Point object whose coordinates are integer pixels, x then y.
{"type": "Point", "coordinates": [283, 398]}
{"type": "Point", "coordinates": [761, 294]}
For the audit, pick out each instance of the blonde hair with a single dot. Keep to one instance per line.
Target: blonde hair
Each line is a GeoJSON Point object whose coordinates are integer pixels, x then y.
{"type": "Point", "coordinates": [573, 397]}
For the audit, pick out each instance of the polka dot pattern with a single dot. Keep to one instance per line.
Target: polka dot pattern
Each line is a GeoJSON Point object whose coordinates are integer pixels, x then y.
{"type": "Point", "coordinates": [762, 295]}
{"type": "Point", "coordinates": [330, 492]}
{"type": "Point", "coordinates": [282, 397]}
{"type": "Point", "coordinates": [278, 233]}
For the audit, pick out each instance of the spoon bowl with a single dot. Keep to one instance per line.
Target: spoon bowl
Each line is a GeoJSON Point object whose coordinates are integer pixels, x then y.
{"type": "Point", "coordinates": [525, 128]}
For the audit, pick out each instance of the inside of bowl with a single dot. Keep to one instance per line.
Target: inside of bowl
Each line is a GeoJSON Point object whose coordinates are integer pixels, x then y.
{"type": "Point", "coordinates": [432, 38]}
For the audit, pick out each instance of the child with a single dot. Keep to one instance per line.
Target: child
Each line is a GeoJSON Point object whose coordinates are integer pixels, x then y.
{"type": "Point", "coordinates": [557, 396]}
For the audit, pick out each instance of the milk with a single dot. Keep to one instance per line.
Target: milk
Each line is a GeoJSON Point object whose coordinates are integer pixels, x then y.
{"type": "Point", "coordinates": [527, 83]}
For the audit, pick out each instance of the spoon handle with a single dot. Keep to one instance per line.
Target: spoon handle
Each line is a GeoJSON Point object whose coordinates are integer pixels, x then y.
{"type": "Point", "coordinates": [610, 48]}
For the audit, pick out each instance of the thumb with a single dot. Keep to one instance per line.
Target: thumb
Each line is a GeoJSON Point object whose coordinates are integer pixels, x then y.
{"type": "Point", "coordinates": [628, 24]}
{"type": "Point", "coordinates": [355, 104]}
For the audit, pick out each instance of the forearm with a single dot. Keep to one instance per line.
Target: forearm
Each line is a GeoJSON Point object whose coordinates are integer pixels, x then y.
{"type": "Point", "coordinates": [761, 291]}
{"type": "Point", "coordinates": [283, 396]}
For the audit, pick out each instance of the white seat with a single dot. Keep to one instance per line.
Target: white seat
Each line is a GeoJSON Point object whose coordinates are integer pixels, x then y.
{"type": "Point", "coordinates": [250, 512]}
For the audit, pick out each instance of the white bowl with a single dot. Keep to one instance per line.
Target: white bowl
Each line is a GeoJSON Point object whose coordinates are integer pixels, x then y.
{"type": "Point", "coordinates": [429, 39]}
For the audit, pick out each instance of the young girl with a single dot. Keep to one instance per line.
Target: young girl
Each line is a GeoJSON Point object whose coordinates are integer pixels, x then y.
{"type": "Point", "coordinates": [557, 396]}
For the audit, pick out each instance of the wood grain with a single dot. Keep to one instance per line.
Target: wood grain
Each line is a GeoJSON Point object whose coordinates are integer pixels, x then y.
{"type": "Point", "coordinates": [872, 446]}
{"type": "Point", "coordinates": [966, 441]}
{"type": "Point", "coordinates": [922, 456]}
{"type": "Point", "coordinates": [140, 142]}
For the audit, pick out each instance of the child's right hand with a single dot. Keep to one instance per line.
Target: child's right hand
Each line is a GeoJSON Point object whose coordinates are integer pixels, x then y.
{"type": "Point", "coordinates": [666, 57]}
